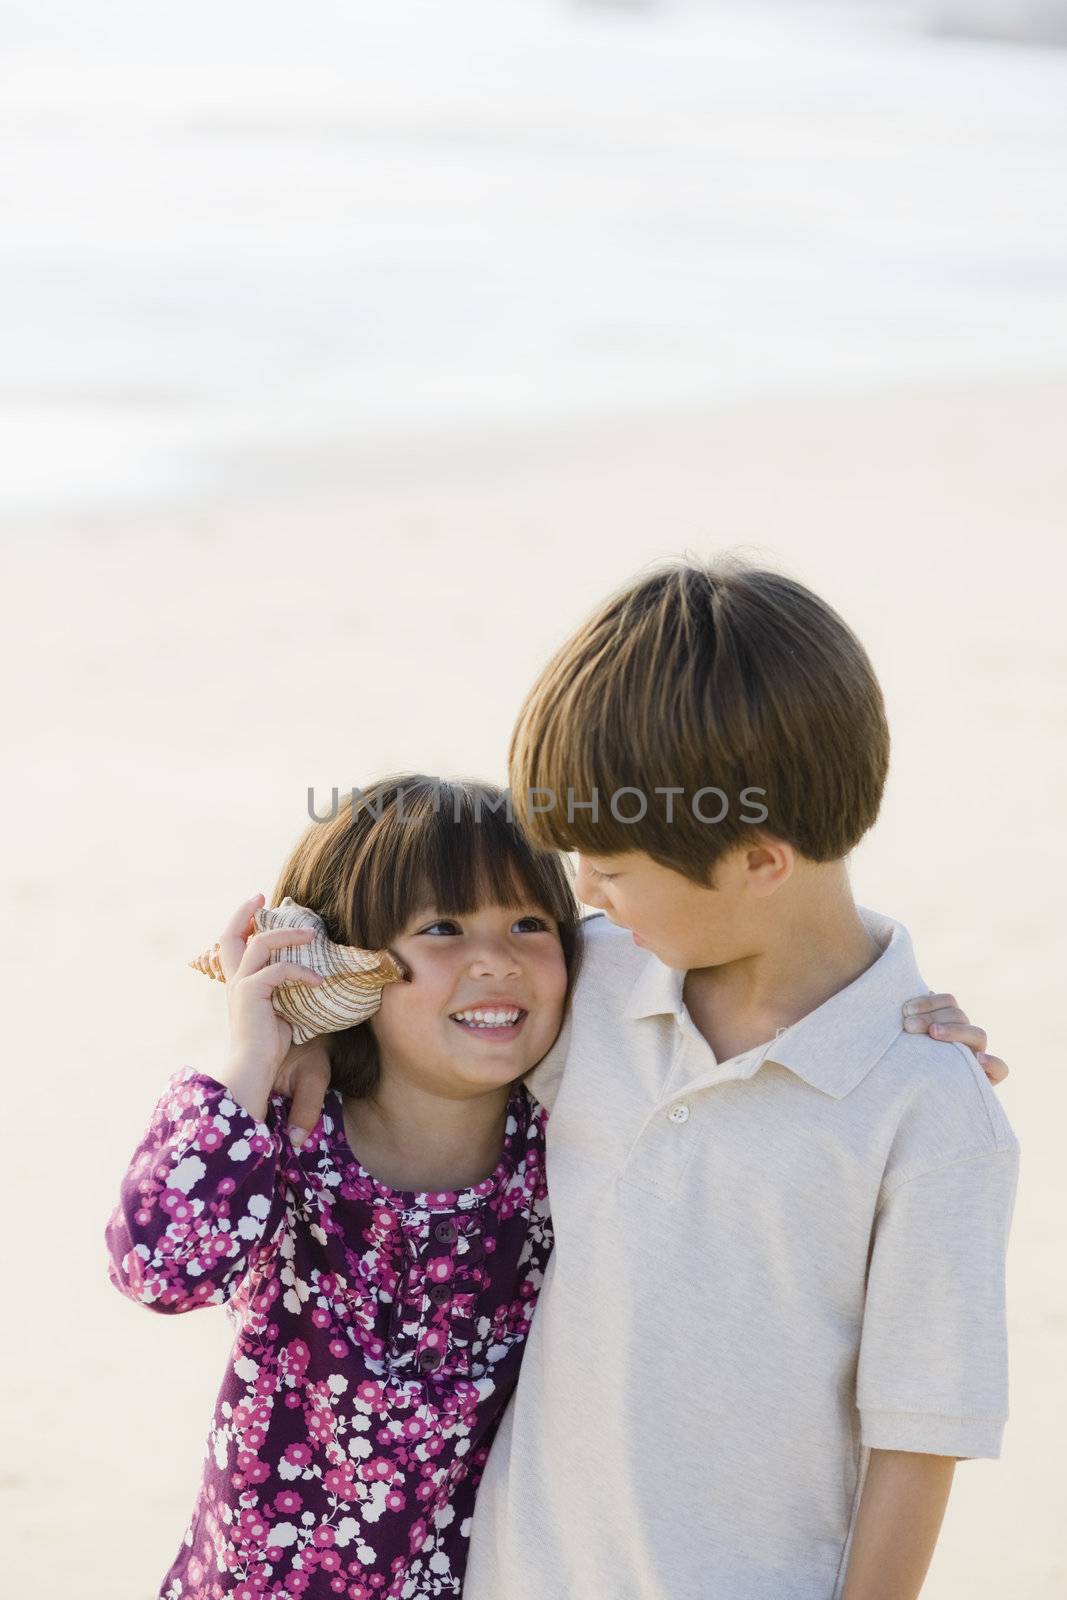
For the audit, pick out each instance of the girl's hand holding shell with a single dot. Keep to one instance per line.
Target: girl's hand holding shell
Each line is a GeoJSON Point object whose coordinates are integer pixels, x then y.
{"type": "Point", "coordinates": [260, 1039]}
{"type": "Point", "coordinates": [281, 1008]}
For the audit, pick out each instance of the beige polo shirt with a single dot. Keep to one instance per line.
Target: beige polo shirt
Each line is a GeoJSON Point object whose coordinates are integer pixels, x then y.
{"type": "Point", "coordinates": [764, 1267]}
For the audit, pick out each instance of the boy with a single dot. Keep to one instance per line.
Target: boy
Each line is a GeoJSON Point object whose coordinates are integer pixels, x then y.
{"type": "Point", "coordinates": [774, 1317]}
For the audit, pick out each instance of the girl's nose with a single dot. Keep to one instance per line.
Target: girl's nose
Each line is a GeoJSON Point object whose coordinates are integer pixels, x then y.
{"type": "Point", "coordinates": [495, 956]}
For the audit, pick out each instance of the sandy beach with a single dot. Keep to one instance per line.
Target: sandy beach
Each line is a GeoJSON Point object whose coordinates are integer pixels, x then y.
{"type": "Point", "coordinates": [181, 674]}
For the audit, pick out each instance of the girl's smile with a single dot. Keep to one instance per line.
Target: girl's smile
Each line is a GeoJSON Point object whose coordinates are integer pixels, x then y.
{"type": "Point", "coordinates": [495, 1021]}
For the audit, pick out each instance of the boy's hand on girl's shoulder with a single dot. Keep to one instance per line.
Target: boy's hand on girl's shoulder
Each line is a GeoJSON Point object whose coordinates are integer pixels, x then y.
{"type": "Point", "coordinates": [940, 1017]}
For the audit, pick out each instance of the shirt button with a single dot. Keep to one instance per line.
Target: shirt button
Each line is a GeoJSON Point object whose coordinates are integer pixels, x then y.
{"type": "Point", "coordinates": [429, 1360]}
{"type": "Point", "coordinates": [679, 1113]}
{"type": "Point", "coordinates": [440, 1294]}
{"type": "Point", "coordinates": [446, 1233]}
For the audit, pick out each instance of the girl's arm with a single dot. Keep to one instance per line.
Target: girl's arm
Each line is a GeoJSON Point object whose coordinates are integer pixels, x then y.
{"type": "Point", "coordinates": [202, 1201]}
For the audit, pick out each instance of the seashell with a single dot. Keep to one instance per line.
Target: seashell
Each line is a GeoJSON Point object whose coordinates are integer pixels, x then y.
{"type": "Point", "coordinates": [353, 979]}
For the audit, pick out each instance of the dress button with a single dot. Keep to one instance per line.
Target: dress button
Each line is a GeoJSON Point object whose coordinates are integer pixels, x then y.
{"type": "Point", "coordinates": [429, 1360]}
{"type": "Point", "coordinates": [446, 1232]}
{"type": "Point", "coordinates": [679, 1113]}
{"type": "Point", "coordinates": [440, 1294]}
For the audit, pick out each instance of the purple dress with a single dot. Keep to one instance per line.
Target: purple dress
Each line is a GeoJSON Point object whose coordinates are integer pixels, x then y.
{"type": "Point", "coordinates": [378, 1337]}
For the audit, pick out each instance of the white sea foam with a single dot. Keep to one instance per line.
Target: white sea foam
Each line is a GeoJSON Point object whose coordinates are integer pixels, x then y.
{"type": "Point", "coordinates": [229, 227]}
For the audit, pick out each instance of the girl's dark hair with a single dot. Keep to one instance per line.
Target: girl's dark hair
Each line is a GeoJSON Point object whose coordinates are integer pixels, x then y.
{"type": "Point", "coordinates": [405, 842]}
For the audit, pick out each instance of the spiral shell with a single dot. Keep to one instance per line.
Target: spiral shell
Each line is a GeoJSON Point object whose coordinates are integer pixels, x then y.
{"type": "Point", "coordinates": [353, 979]}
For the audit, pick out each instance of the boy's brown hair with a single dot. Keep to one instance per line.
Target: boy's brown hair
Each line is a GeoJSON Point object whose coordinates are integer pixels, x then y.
{"type": "Point", "coordinates": [703, 675]}
{"type": "Point", "coordinates": [411, 840]}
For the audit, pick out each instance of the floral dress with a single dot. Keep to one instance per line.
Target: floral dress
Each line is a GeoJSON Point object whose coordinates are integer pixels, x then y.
{"type": "Point", "coordinates": [378, 1337]}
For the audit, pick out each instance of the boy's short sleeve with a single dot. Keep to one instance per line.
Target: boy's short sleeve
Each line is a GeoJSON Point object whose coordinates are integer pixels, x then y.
{"type": "Point", "coordinates": [933, 1362]}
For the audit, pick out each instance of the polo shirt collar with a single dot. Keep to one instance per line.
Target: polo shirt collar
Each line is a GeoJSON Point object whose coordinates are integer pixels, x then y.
{"type": "Point", "coordinates": [834, 1047]}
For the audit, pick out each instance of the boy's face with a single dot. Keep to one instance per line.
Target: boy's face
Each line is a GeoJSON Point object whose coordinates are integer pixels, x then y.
{"type": "Point", "coordinates": [496, 959]}
{"type": "Point", "coordinates": [683, 923]}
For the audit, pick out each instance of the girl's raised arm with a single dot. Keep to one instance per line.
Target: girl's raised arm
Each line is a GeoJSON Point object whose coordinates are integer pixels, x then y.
{"type": "Point", "coordinates": [201, 1203]}
{"type": "Point", "coordinates": [202, 1200]}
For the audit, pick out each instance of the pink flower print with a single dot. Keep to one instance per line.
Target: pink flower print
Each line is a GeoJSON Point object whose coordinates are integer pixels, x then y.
{"type": "Point", "coordinates": [295, 1357]}
{"type": "Point", "coordinates": [340, 1361]}
{"type": "Point", "coordinates": [176, 1204]}
{"type": "Point", "coordinates": [418, 1534]}
{"type": "Point", "coordinates": [253, 1525]}
{"type": "Point", "coordinates": [339, 1481]}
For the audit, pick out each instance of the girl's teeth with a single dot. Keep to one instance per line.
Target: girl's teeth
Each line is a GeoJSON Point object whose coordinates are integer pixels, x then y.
{"type": "Point", "coordinates": [488, 1019]}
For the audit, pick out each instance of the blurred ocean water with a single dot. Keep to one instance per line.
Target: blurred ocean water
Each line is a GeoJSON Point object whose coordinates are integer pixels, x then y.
{"type": "Point", "coordinates": [241, 227]}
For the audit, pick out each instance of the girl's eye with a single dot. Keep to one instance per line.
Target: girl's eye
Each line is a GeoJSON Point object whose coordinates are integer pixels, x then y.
{"type": "Point", "coordinates": [540, 925]}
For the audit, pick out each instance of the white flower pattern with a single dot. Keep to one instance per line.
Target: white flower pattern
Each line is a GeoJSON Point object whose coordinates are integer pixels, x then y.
{"type": "Point", "coordinates": [378, 1337]}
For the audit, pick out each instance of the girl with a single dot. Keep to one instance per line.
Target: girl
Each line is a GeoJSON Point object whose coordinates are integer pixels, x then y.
{"type": "Point", "coordinates": [381, 1275]}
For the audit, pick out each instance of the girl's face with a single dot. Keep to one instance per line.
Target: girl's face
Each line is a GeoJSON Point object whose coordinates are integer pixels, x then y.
{"type": "Point", "coordinates": [484, 1004]}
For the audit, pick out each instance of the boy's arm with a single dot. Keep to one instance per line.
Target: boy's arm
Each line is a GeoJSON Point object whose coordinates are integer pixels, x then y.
{"type": "Point", "coordinates": [897, 1524]}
